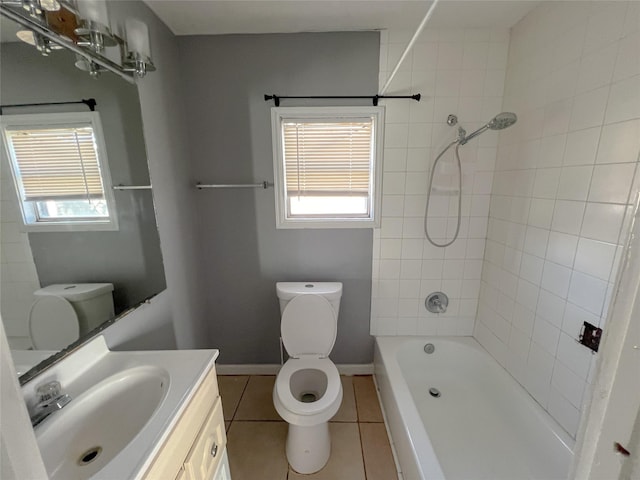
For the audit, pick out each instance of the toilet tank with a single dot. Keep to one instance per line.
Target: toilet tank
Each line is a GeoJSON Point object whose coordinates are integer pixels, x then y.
{"type": "Point", "coordinates": [93, 302]}
{"type": "Point", "coordinates": [332, 291]}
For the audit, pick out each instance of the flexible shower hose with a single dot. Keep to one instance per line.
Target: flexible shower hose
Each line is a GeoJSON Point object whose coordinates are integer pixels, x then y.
{"type": "Point", "coordinates": [429, 192]}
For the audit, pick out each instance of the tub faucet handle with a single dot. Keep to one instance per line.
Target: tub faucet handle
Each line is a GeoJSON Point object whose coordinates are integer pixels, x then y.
{"type": "Point", "coordinates": [437, 302]}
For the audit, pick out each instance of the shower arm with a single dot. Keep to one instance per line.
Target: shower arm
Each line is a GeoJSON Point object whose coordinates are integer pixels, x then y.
{"type": "Point", "coordinates": [464, 139]}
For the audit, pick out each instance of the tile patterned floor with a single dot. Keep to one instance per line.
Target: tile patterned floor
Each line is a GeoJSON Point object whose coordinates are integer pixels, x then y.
{"type": "Point", "coordinates": [256, 434]}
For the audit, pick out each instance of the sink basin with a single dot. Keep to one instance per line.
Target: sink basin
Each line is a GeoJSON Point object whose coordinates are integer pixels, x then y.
{"type": "Point", "coordinates": [79, 440]}
{"type": "Point", "coordinates": [123, 406]}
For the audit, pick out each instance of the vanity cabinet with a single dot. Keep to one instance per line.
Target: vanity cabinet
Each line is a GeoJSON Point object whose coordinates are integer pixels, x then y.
{"type": "Point", "coordinates": [195, 447]}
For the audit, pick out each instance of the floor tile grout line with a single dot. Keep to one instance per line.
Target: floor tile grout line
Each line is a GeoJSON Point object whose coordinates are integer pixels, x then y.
{"type": "Point", "coordinates": [364, 463]}
{"type": "Point", "coordinates": [235, 410]}
{"type": "Point", "coordinates": [355, 401]}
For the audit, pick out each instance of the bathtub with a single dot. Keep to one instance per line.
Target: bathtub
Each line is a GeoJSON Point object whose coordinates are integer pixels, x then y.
{"type": "Point", "coordinates": [483, 425]}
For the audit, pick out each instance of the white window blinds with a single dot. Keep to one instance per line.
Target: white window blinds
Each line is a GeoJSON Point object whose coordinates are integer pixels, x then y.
{"type": "Point", "coordinates": [57, 163]}
{"type": "Point", "coordinates": [328, 158]}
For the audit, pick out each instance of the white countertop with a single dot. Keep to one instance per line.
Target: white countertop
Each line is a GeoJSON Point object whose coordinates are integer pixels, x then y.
{"type": "Point", "coordinates": [94, 362]}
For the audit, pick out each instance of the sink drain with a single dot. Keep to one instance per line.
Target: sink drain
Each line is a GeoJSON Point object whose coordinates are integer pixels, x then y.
{"type": "Point", "coordinates": [434, 392]}
{"type": "Point", "coordinates": [89, 456]}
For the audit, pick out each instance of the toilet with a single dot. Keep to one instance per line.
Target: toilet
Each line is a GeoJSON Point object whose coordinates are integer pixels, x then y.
{"type": "Point", "coordinates": [63, 313]}
{"type": "Point", "coordinates": [308, 391]}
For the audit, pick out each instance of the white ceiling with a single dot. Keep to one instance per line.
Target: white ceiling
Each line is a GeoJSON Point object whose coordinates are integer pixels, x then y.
{"type": "Point", "coordinates": [211, 17]}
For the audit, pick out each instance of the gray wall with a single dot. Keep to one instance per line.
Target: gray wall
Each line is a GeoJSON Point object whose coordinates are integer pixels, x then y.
{"type": "Point", "coordinates": [130, 258]}
{"type": "Point", "coordinates": [242, 253]}
{"type": "Point", "coordinates": [164, 122]}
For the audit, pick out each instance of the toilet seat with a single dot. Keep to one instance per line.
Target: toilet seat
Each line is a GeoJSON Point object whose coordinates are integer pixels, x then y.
{"type": "Point", "coordinates": [53, 323]}
{"type": "Point", "coordinates": [331, 396]}
{"type": "Point", "coordinates": [308, 326]}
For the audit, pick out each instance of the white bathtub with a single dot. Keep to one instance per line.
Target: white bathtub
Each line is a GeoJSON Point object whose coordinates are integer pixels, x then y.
{"type": "Point", "coordinates": [483, 426]}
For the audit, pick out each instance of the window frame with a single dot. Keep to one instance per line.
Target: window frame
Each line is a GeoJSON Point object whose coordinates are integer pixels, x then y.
{"type": "Point", "coordinates": [29, 209]}
{"type": "Point", "coordinates": [281, 114]}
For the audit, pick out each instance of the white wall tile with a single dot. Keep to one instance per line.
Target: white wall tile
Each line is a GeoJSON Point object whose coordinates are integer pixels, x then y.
{"type": "Point", "coordinates": [551, 307]}
{"type": "Point", "coordinates": [539, 371]}
{"type": "Point", "coordinates": [596, 68]}
{"type": "Point", "coordinates": [410, 270]}
{"type": "Point", "coordinates": [552, 150]}
{"type": "Point", "coordinates": [574, 183]}
{"type": "Point", "coordinates": [581, 147]}
{"type": "Point", "coordinates": [531, 268]}
{"type": "Point", "coordinates": [602, 222]}
{"type": "Point", "coordinates": [561, 248]}
{"type": "Point", "coordinates": [546, 335]}
{"type": "Point", "coordinates": [541, 212]}
{"type": "Point", "coordinates": [620, 142]}
{"type": "Point", "coordinates": [588, 108]}
{"type": "Point", "coordinates": [574, 356]}
{"type": "Point", "coordinates": [567, 216]}
{"type": "Point", "coordinates": [587, 291]}
{"type": "Point", "coordinates": [628, 61]}
{"type": "Point", "coordinates": [563, 174]}
{"type": "Point", "coordinates": [557, 116]}
{"type": "Point", "coordinates": [393, 183]}
{"type": "Point", "coordinates": [595, 258]}
{"type": "Point", "coordinates": [611, 183]}
{"type": "Point", "coordinates": [564, 412]}
{"type": "Point", "coordinates": [546, 182]}
{"type": "Point", "coordinates": [536, 240]}
{"type": "Point", "coordinates": [624, 101]}
{"type": "Point", "coordinates": [556, 278]}
{"type": "Point", "coordinates": [568, 384]}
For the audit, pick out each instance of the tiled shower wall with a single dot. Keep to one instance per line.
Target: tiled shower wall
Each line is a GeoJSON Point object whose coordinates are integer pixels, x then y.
{"type": "Point", "coordinates": [457, 72]}
{"type": "Point", "coordinates": [18, 276]}
{"type": "Point", "coordinates": [562, 194]}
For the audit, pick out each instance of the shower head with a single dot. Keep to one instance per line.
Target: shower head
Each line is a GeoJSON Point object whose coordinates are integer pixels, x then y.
{"type": "Point", "coordinates": [502, 120]}
{"type": "Point", "coordinates": [499, 122]}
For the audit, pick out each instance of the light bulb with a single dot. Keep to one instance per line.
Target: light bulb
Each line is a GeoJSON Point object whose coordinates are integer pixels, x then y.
{"type": "Point", "coordinates": [50, 5]}
{"type": "Point", "coordinates": [138, 37]}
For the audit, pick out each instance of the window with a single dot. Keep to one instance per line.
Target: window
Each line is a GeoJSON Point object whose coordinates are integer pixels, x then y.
{"type": "Point", "coordinates": [60, 171]}
{"type": "Point", "coordinates": [327, 164]}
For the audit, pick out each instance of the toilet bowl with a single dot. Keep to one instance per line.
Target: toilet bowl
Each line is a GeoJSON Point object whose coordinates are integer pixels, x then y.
{"type": "Point", "coordinates": [308, 391]}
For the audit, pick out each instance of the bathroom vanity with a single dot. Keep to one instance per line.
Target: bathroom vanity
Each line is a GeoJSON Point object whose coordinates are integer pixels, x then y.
{"type": "Point", "coordinates": [195, 448]}
{"type": "Point", "coordinates": [135, 415]}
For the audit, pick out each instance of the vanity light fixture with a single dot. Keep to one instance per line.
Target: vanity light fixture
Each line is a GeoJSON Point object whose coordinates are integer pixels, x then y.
{"type": "Point", "coordinates": [138, 48]}
{"type": "Point", "coordinates": [94, 31]}
{"type": "Point", "coordinates": [88, 65]}
{"type": "Point", "coordinates": [84, 28]}
{"type": "Point", "coordinates": [42, 44]}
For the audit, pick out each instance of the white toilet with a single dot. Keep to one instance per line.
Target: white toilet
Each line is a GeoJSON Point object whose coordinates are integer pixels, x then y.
{"type": "Point", "coordinates": [308, 391]}
{"type": "Point", "coordinates": [63, 313]}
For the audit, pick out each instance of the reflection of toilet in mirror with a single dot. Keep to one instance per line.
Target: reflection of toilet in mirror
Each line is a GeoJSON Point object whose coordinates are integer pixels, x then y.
{"type": "Point", "coordinates": [63, 313]}
{"type": "Point", "coordinates": [308, 391]}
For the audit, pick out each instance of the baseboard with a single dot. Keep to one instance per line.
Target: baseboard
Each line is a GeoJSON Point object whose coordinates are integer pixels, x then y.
{"type": "Point", "coordinates": [273, 369]}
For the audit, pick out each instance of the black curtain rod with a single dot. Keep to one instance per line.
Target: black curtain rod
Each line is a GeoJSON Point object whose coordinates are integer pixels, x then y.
{"type": "Point", "coordinates": [89, 102]}
{"type": "Point", "coordinates": [374, 98]}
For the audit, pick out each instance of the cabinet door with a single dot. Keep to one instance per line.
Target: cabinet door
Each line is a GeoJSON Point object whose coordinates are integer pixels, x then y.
{"type": "Point", "coordinates": [223, 469]}
{"type": "Point", "coordinates": [208, 448]}
{"type": "Point", "coordinates": [182, 475]}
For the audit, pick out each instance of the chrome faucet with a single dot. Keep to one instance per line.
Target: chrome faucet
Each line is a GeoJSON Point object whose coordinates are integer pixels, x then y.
{"type": "Point", "coordinates": [50, 400]}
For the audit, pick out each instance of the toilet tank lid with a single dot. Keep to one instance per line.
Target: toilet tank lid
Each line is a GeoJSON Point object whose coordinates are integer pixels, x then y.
{"type": "Point", "coordinates": [289, 290]}
{"type": "Point", "coordinates": [76, 291]}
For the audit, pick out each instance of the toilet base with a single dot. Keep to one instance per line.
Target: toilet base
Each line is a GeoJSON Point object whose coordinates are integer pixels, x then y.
{"type": "Point", "coordinates": [308, 448]}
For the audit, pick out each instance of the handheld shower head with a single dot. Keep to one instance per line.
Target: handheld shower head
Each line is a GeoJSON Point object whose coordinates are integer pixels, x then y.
{"type": "Point", "coordinates": [502, 121]}
{"type": "Point", "coordinates": [499, 122]}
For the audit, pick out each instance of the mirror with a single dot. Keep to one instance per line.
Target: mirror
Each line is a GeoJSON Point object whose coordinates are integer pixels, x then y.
{"type": "Point", "coordinates": [129, 258]}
